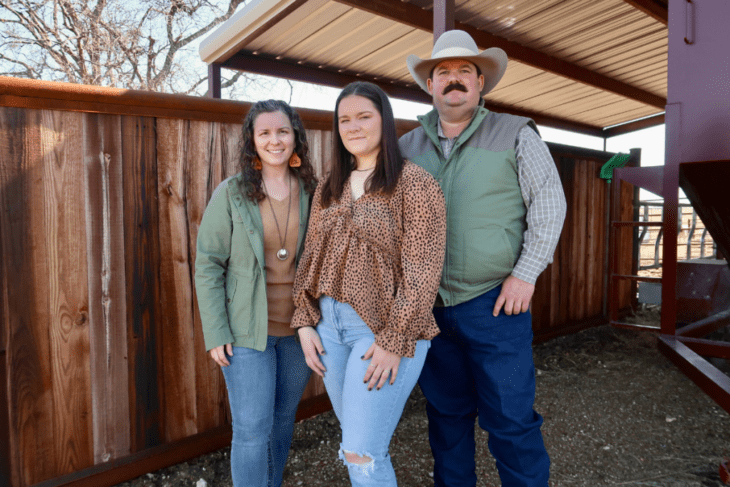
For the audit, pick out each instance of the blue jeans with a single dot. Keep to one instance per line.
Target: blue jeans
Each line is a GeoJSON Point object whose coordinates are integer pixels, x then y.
{"type": "Point", "coordinates": [264, 389]}
{"type": "Point", "coordinates": [482, 366]}
{"type": "Point", "coordinates": [368, 418]}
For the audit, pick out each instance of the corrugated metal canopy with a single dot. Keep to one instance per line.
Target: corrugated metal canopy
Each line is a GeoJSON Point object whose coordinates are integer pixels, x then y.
{"type": "Point", "coordinates": [578, 64]}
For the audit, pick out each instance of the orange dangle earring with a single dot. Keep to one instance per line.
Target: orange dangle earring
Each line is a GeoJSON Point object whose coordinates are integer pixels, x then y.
{"type": "Point", "coordinates": [294, 160]}
{"type": "Point", "coordinates": [257, 163]}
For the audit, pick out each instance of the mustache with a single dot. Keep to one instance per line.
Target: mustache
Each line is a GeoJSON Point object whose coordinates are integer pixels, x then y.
{"type": "Point", "coordinates": [455, 86]}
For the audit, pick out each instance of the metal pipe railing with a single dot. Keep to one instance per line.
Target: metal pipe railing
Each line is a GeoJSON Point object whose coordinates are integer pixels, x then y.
{"type": "Point", "coordinates": [697, 234]}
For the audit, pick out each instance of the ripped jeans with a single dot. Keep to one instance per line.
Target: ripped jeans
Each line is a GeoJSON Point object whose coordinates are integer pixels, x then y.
{"type": "Point", "coordinates": [368, 418]}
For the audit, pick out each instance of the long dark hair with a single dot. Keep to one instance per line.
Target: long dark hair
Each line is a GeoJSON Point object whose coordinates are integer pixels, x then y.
{"type": "Point", "coordinates": [389, 163]}
{"type": "Point", "coordinates": [251, 181]}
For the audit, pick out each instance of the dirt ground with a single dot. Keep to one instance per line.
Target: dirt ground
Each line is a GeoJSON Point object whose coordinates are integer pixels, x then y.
{"type": "Point", "coordinates": [616, 411]}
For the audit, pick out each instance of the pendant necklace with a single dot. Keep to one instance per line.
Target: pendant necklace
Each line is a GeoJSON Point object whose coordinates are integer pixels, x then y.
{"type": "Point", "coordinates": [282, 254]}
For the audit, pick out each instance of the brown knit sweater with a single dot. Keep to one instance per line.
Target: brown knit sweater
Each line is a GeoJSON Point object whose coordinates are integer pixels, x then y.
{"type": "Point", "coordinates": [280, 273]}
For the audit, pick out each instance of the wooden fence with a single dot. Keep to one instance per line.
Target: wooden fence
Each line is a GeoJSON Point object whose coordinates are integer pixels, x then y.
{"type": "Point", "coordinates": [102, 360]}
{"type": "Point", "coordinates": [572, 292]}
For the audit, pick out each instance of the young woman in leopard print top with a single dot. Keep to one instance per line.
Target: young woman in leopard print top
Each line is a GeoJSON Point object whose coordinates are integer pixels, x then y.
{"type": "Point", "coordinates": [368, 278]}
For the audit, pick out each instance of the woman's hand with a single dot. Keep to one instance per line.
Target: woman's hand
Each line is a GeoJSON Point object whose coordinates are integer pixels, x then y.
{"type": "Point", "coordinates": [312, 348]}
{"type": "Point", "coordinates": [383, 363]}
{"type": "Point", "coordinates": [219, 354]}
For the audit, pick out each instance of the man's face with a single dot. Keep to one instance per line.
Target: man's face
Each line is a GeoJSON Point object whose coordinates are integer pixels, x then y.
{"type": "Point", "coordinates": [455, 84]}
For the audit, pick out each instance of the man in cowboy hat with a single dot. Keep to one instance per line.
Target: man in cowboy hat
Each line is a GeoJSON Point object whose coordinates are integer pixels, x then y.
{"type": "Point", "coordinates": [505, 210]}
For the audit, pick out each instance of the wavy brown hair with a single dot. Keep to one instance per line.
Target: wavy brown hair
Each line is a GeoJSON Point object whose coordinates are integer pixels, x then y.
{"type": "Point", "coordinates": [389, 163]}
{"type": "Point", "coordinates": [251, 181]}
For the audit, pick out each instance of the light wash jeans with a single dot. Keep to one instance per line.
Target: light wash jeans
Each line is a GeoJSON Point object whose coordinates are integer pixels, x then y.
{"type": "Point", "coordinates": [368, 418]}
{"type": "Point", "coordinates": [264, 389]}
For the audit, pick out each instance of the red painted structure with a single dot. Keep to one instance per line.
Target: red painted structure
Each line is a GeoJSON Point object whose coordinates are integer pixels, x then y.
{"type": "Point", "coordinates": [698, 161]}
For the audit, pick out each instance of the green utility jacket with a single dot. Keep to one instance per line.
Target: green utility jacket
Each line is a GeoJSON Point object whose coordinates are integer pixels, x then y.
{"type": "Point", "coordinates": [230, 279]}
{"type": "Point", "coordinates": [485, 212]}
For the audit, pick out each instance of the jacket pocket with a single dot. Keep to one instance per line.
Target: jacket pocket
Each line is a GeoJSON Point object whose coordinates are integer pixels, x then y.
{"type": "Point", "coordinates": [487, 255]}
{"type": "Point", "coordinates": [238, 306]}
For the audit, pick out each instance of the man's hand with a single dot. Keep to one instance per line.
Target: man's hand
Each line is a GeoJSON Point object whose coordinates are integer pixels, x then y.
{"type": "Point", "coordinates": [515, 296]}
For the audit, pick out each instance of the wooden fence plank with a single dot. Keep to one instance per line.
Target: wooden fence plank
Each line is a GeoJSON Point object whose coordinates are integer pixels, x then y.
{"type": "Point", "coordinates": [556, 270]}
{"type": "Point", "coordinates": [178, 363]}
{"type": "Point", "coordinates": [5, 463]}
{"type": "Point", "coordinates": [5, 466]}
{"type": "Point", "coordinates": [230, 148]}
{"type": "Point", "coordinates": [315, 387]}
{"type": "Point", "coordinates": [554, 283]}
{"type": "Point", "coordinates": [626, 248]}
{"type": "Point", "coordinates": [204, 173]}
{"type": "Point", "coordinates": [61, 138]}
{"type": "Point", "coordinates": [107, 286]}
{"type": "Point", "coordinates": [566, 283]}
{"type": "Point", "coordinates": [594, 221]}
{"type": "Point", "coordinates": [600, 284]}
{"type": "Point", "coordinates": [320, 149]}
{"type": "Point", "coordinates": [580, 230]}
{"type": "Point", "coordinates": [25, 286]}
{"type": "Point", "coordinates": [316, 151]}
{"type": "Point", "coordinates": [540, 303]}
{"type": "Point", "coordinates": [324, 164]}
{"type": "Point", "coordinates": [142, 256]}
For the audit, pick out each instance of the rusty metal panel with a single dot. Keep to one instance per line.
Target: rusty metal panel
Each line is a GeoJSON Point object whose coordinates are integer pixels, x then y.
{"type": "Point", "coordinates": [703, 289]}
{"type": "Point", "coordinates": [705, 183]}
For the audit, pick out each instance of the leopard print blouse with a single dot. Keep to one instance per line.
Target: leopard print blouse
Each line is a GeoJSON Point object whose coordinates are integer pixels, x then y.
{"type": "Point", "coordinates": [383, 255]}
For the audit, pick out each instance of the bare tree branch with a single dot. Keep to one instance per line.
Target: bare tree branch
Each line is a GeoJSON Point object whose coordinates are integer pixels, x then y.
{"type": "Point", "coordinates": [130, 44]}
{"type": "Point", "coordinates": [232, 80]}
{"type": "Point", "coordinates": [29, 71]}
{"type": "Point", "coordinates": [291, 90]}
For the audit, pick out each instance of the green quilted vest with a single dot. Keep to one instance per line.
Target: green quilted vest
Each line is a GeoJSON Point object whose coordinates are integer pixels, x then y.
{"type": "Point", "coordinates": [484, 205]}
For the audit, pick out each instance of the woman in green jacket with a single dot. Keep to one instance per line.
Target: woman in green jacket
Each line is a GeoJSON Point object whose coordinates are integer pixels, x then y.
{"type": "Point", "coordinates": [250, 239]}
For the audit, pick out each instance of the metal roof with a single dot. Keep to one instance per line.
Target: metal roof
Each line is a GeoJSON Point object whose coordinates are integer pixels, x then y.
{"type": "Point", "coordinates": [580, 64]}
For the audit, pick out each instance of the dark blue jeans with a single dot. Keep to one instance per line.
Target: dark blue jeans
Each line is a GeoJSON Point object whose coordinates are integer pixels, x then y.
{"type": "Point", "coordinates": [481, 366]}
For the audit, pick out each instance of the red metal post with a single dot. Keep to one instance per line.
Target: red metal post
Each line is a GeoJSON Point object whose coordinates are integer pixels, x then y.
{"type": "Point", "coordinates": [214, 80]}
{"type": "Point", "coordinates": [708, 378]}
{"type": "Point", "coordinates": [707, 348]}
{"type": "Point", "coordinates": [704, 327]}
{"type": "Point", "coordinates": [443, 17]}
{"type": "Point", "coordinates": [671, 205]}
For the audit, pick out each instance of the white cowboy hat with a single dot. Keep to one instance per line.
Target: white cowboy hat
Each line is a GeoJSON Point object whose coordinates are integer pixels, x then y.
{"type": "Point", "coordinates": [457, 44]}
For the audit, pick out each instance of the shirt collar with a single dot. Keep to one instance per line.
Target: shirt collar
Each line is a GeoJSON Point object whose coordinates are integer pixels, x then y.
{"type": "Point", "coordinates": [440, 131]}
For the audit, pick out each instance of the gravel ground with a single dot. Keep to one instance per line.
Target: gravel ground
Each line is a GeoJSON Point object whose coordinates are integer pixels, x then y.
{"type": "Point", "coordinates": [616, 411]}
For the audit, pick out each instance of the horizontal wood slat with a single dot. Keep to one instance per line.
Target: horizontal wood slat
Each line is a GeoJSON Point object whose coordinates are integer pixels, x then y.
{"type": "Point", "coordinates": [637, 278]}
{"type": "Point", "coordinates": [637, 224]}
